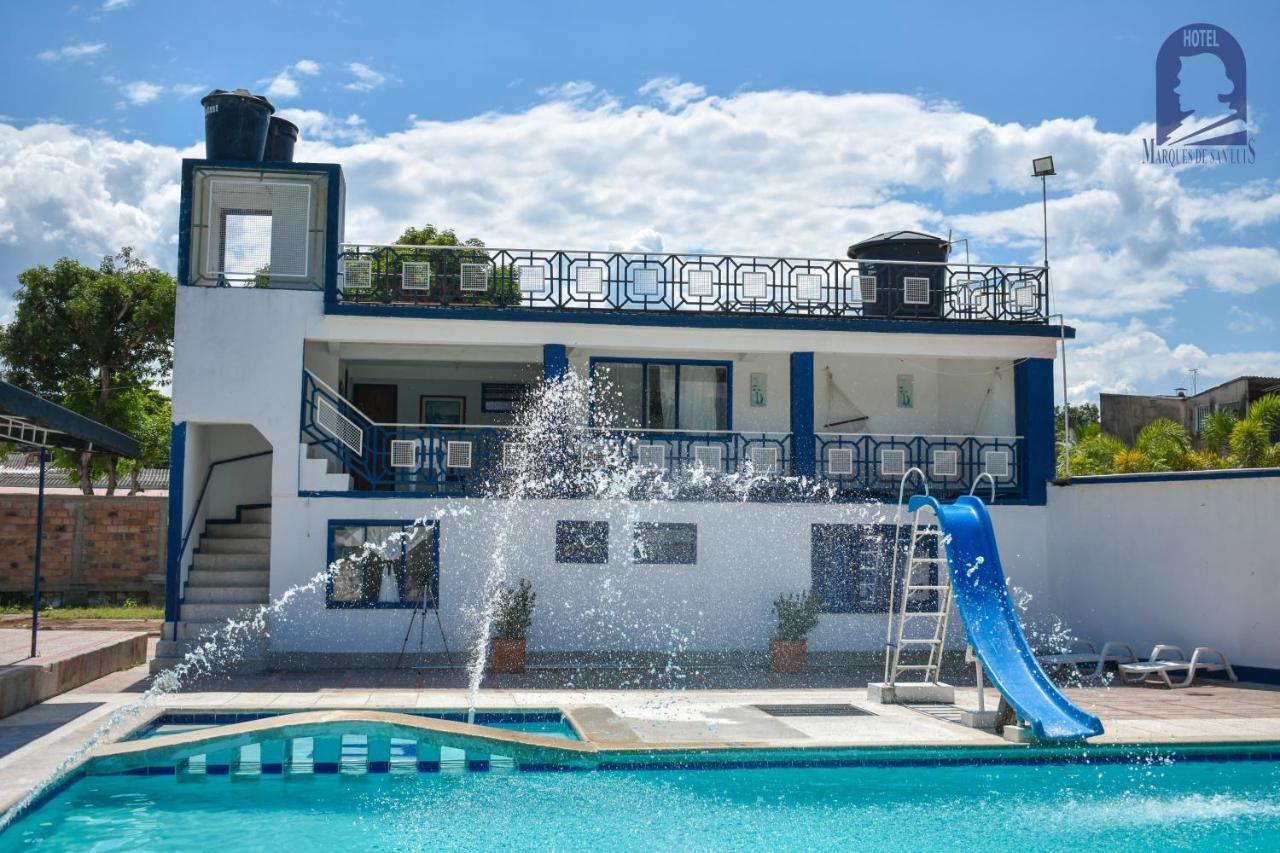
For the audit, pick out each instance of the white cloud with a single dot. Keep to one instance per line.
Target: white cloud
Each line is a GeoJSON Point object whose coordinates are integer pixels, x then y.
{"type": "Point", "coordinates": [320, 126]}
{"type": "Point", "coordinates": [307, 67]}
{"type": "Point", "coordinates": [1130, 358]}
{"type": "Point", "coordinates": [113, 5]}
{"type": "Point", "coordinates": [141, 92]}
{"type": "Point", "coordinates": [570, 91]}
{"type": "Point", "coordinates": [72, 51]}
{"type": "Point", "coordinates": [190, 90]}
{"type": "Point", "coordinates": [366, 79]}
{"type": "Point", "coordinates": [283, 86]}
{"type": "Point", "coordinates": [1246, 322]}
{"type": "Point", "coordinates": [771, 173]}
{"type": "Point", "coordinates": [672, 92]}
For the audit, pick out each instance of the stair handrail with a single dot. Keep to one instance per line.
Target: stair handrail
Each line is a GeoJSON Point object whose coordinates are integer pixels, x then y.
{"type": "Point", "coordinates": [204, 487]}
{"type": "Point", "coordinates": [893, 572]}
{"type": "Point", "coordinates": [371, 430]}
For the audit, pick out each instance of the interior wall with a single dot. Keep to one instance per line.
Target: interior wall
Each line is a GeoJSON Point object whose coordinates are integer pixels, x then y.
{"type": "Point", "coordinates": [969, 396]}
{"type": "Point", "coordinates": [457, 379]}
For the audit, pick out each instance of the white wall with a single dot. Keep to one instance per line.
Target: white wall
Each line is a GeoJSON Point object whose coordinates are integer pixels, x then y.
{"type": "Point", "coordinates": [457, 379]}
{"type": "Point", "coordinates": [953, 396]}
{"type": "Point", "coordinates": [1193, 563]}
{"type": "Point", "coordinates": [748, 554]}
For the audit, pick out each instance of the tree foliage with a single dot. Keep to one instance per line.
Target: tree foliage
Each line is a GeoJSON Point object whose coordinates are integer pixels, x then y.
{"type": "Point", "coordinates": [504, 284]}
{"type": "Point", "coordinates": [1226, 441]}
{"type": "Point", "coordinates": [94, 340]}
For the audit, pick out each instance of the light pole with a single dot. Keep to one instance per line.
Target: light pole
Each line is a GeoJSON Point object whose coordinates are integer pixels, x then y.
{"type": "Point", "coordinates": [1042, 168]}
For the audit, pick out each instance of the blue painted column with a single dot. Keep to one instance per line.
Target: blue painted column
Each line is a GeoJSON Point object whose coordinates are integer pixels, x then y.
{"type": "Point", "coordinates": [173, 566]}
{"type": "Point", "coordinates": [803, 443]}
{"type": "Point", "coordinates": [555, 360]}
{"type": "Point", "coordinates": [1033, 420]}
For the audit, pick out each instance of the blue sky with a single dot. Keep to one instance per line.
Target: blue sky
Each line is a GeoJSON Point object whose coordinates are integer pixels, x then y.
{"type": "Point", "coordinates": [730, 126]}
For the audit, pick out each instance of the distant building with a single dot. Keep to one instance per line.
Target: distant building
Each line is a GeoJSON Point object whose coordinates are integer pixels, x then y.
{"type": "Point", "coordinates": [1124, 415]}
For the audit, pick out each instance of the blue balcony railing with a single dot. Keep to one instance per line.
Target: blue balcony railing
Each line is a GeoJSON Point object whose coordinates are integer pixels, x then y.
{"type": "Point", "coordinates": [466, 461]}
{"type": "Point", "coordinates": [559, 280]}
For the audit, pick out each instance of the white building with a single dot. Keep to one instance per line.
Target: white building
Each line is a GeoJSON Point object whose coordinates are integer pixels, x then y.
{"type": "Point", "coordinates": [356, 388]}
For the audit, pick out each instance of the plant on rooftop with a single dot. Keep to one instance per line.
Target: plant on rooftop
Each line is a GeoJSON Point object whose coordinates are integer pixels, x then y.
{"type": "Point", "coordinates": [94, 340]}
{"type": "Point", "coordinates": [504, 286]}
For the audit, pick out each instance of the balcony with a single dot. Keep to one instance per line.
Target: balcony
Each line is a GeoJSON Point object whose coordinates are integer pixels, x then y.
{"type": "Point", "coordinates": [438, 279]}
{"type": "Point", "coordinates": [476, 461]}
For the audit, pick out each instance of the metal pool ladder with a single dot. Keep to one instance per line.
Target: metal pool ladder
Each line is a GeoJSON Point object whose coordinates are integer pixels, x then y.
{"type": "Point", "coordinates": [927, 551]}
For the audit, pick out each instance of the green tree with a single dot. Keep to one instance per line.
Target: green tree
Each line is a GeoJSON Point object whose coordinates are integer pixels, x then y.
{"type": "Point", "coordinates": [93, 340]}
{"type": "Point", "coordinates": [1083, 417]}
{"type": "Point", "coordinates": [1164, 444]}
{"type": "Point", "coordinates": [1095, 453]}
{"type": "Point", "coordinates": [504, 285]}
{"type": "Point", "coordinates": [1215, 432]}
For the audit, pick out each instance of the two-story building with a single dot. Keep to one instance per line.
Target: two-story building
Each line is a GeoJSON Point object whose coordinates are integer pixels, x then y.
{"type": "Point", "coordinates": [326, 393]}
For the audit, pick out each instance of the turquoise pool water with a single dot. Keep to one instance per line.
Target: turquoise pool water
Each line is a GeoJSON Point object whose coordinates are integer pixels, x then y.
{"type": "Point", "coordinates": [1144, 805]}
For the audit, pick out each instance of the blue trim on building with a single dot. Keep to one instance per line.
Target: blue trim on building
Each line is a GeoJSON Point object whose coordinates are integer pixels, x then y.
{"type": "Point", "coordinates": [703, 320]}
{"type": "Point", "coordinates": [173, 549]}
{"type": "Point", "coordinates": [803, 443]}
{"type": "Point", "coordinates": [335, 192]}
{"type": "Point", "coordinates": [1033, 420]}
{"type": "Point", "coordinates": [644, 394]}
{"type": "Point", "coordinates": [555, 361]}
{"type": "Point", "coordinates": [1174, 476]}
{"type": "Point", "coordinates": [366, 604]}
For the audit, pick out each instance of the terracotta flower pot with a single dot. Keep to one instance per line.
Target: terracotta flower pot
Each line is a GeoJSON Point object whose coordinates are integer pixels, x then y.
{"type": "Point", "coordinates": [506, 657]}
{"type": "Point", "coordinates": [788, 655]}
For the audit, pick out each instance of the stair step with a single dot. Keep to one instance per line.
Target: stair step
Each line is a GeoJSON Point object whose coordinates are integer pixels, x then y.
{"type": "Point", "coordinates": [238, 530]}
{"type": "Point", "coordinates": [215, 612]}
{"type": "Point", "coordinates": [913, 588]}
{"type": "Point", "coordinates": [234, 546]}
{"type": "Point", "coordinates": [260, 578]}
{"type": "Point", "coordinates": [256, 515]}
{"type": "Point", "coordinates": [922, 642]}
{"type": "Point", "coordinates": [223, 562]}
{"type": "Point", "coordinates": [228, 594]}
{"type": "Point", "coordinates": [918, 666]}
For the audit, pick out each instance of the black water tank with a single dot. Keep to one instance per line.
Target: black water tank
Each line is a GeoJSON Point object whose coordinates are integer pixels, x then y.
{"type": "Point", "coordinates": [235, 125]}
{"type": "Point", "coordinates": [899, 289]}
{"type": "Point", "coordinates": [281, 135]}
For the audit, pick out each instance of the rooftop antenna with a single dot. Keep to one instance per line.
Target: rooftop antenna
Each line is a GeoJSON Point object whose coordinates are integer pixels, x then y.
{"type": "Point", "coordinates": [1195, 376]}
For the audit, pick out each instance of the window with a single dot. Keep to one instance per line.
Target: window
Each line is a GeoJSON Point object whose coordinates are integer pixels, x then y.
{"type": "Point", "coordinates": [501, 397]}
{"type": "Point", "coordinates": [661, 542]}
{"type": "Point", "coordinates": [851, 565]}
{"type": "Point", "coordinates": [383, 565]}
{"type": "Point", "coordinates": [1202, 412]}
{"type": "Point", "coordinates": [687, 395]}
{"type": "Point", "coordinates": [582, 542]}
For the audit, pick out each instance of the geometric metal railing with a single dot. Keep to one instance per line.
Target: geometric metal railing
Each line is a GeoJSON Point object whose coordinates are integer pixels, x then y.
{"type": "Point", "coordinates": [952, 464]}
{"type": "Point", "coordinates": [470, 461]}
{"type": "Point", "coordinates": [555, 279]}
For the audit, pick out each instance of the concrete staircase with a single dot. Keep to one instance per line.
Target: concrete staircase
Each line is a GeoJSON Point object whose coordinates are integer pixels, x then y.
{"type": "Point", "coordinates": [318, 472]}
{"type": "Point", "coordinates": [229, 578]}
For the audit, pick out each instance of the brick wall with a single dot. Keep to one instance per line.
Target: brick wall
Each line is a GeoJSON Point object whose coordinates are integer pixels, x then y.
{"type": "Point", "coordinates": [96, 548]}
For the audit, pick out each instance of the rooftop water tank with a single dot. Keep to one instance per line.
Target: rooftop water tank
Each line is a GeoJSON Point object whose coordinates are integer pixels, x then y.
{"type": "Point", "coordinates": [904, 289]}
{"type": "Point", "coordinates": [235, 124]}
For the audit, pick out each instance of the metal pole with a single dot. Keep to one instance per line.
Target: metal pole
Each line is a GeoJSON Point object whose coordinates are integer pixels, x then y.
{"type": "Point", "coordinates": [35, 584]}
{"type": "Point", "coordinates": [1066, 406]}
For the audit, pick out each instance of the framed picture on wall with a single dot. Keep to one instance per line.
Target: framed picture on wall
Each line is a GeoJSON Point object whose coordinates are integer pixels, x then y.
{"type": "Point", "coordinates": [501, 397]}
{"type": "Point", "coordinates": [442, 409]}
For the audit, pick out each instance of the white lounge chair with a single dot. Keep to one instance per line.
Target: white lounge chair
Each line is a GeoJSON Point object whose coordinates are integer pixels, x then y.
{"type": "Point", "coordinates": [1167, 659]}
{"type": "Point", "coordinates": [1084, 654]}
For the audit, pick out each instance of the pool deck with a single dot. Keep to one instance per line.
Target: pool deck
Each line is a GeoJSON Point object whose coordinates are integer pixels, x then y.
{"type": "Point", "coordinates": [33, 742]}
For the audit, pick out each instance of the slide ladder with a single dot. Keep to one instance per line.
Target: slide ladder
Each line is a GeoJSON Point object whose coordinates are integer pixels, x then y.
{"type": "Point", "coordinates": [926, 582]}
{"type": "Point", "coordinates": [981, 595]}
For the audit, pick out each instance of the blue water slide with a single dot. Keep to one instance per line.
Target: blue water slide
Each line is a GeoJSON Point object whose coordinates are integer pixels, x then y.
{"type": "Point", "coordinates": [992, 626]}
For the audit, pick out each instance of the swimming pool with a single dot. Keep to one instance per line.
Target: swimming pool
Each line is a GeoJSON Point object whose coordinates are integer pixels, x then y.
{"type": "Point", "coordinates": [1143, 803]}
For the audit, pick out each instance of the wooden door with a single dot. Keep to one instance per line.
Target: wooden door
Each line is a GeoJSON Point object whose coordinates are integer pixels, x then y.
{"type": "Point", "coordinates": [378, 402]}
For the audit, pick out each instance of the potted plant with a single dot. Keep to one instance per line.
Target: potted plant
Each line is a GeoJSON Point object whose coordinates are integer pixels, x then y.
{"type": "Point", "coordinates": [797, 616]}
{"type": "Point", "coordinates": [511, 624]}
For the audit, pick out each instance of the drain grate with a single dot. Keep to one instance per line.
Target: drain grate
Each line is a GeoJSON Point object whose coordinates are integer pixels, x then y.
{"type": "Point", "coordinates": [814, 711]}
